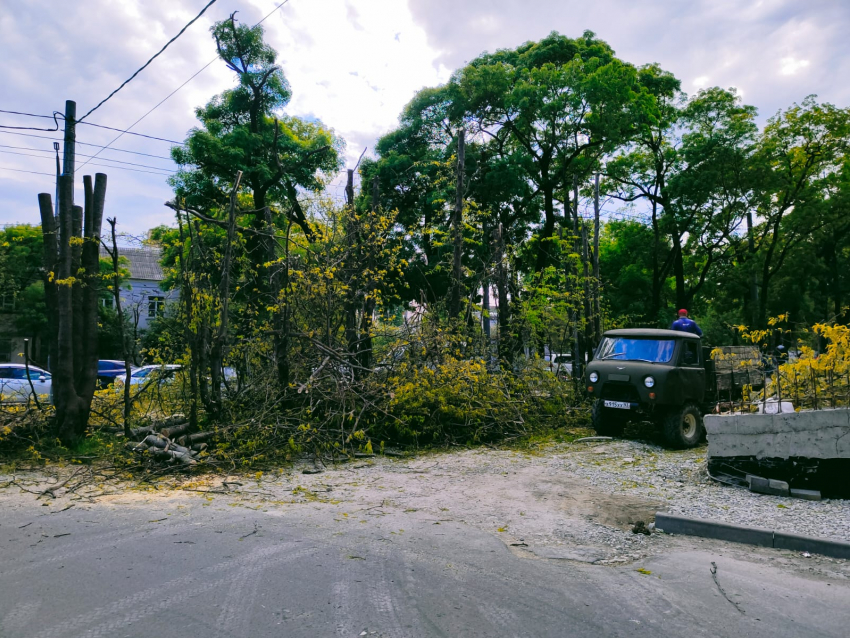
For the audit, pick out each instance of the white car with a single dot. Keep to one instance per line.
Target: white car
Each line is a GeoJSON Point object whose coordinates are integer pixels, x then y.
{"type": "Point", "coordinates": [15, 387]}
{"type": "Point", "coordinates": [163, 374]}
{"type": "Point", "coordinates": [147, 374]}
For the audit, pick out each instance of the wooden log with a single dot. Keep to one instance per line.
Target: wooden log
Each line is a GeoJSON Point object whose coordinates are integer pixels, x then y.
{"type": "Point", "coordinates": [183, 457]}
{"type": "Point", "coordinates": [137, 447]}
{"type": "Point", "coordinates": [190, 439]}
{"type": "Point", "coordinates": [156, 441]}
{"type": "Point", "coordinates": [199, 447]}
{"type": "Point", "coordinates": [143, 431]}
{"type": "Point", "coordinates": [175, 430]}
{"type": "Point", "coordinates": [174, 419]}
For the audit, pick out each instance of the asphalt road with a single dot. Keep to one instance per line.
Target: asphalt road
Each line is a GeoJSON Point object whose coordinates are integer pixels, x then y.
{"type": "Point", "coordinates": [197, 568]}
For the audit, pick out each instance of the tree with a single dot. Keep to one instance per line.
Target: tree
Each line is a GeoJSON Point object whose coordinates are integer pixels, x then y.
{"type": "Point", "coordinates": [688, 162]}
{"type": "Point", "coordinates": [72, 282]}
{"type": "Point", "coordinates": [558, 104]}
{"type": "Point", "coordinates": [798, 155]}
{"type": "Point", "coordinates": [242, 129]}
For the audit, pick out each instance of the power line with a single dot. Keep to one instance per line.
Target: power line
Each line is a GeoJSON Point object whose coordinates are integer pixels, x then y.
{"type": "Point", "coordinates": [121, 150]}
{"type": "Point", "coordinates": [32, 128]}
{"type": "Point", "coordinates": [18, 170]}
{"type": "Point", "coordinates": [163, 100]}
{"type": "Point", "coordinates": [112, 148]}
{"type": "Point", "coordinates": [145, 65]}
{"type": "Point", "coordinates": [163, 171]}
{"type": "Point", "coordinates": [127, 132]}
{"type": "Point", "coordinates": [105, 159]}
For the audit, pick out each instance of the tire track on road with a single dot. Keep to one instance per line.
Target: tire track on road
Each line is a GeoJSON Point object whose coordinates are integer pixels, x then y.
{"type": "Point", "coordinates": [134, 600]}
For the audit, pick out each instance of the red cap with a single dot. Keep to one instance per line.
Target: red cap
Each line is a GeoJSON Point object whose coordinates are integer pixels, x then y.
{"type": "Point", "coordinates": [683, 312]}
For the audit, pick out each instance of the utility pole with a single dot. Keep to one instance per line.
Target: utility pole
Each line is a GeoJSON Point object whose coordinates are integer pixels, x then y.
{"type": "Point", "coordinates": [457, 228]}
{"type": "Point", "coordinates": [597, 283]}
{"type": "Point", "coordinates": [349, 188]}
{"type": "Point", "coordinates": [485, 297]}
{"type": "Point", "coordinates": [577, 352]}
{"type": "Point", "coordinates": [70, 137]}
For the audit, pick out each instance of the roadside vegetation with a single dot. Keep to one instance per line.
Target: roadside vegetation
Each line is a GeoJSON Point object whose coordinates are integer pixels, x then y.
{"type": "Point", "coordinates": [544, 194]}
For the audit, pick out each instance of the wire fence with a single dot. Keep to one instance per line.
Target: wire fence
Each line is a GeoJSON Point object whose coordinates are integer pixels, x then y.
{"type": "Point", "coordinates": [770, 386]}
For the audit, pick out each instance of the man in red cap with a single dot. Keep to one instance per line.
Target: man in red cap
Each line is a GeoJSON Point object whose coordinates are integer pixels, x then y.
{"type": "Point", "coordinates": [685, 324]}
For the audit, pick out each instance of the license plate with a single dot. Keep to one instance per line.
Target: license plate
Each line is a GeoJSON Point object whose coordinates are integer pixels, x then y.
{"type": "Point", "coordinates": [620, 405]}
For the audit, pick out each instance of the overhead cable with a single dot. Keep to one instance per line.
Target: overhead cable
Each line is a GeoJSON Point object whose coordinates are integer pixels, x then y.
{"type": "Point", "coordinates": [33, 128]}
{"type": "Point", "coordinates": [145, 65]}
{"type": "Point", "coordinates": [163, 100]}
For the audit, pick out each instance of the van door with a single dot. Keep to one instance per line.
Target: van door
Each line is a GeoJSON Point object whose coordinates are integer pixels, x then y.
{"type": "Point", "coordinates": [691, 371]}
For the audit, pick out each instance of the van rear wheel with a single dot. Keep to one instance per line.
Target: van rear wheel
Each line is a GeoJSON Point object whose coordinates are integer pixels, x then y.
{"type": "Point", "coordinates": [683, 427]}
{"type": "Point", "coordinates": [604, 422]}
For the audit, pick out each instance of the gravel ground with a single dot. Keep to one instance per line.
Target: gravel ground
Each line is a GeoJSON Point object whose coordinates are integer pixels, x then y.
{"type": "Point", "coordinates": [678, 478]}
{"type": "Point", "coordinates": [572, 501]}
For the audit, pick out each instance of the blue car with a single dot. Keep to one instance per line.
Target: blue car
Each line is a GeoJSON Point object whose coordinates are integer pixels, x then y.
{"type": "Point", "coordinates": [108, 369]}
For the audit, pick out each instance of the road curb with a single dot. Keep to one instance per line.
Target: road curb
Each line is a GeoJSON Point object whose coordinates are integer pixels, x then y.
{"type": "Point", "coordinates": [705, 528]}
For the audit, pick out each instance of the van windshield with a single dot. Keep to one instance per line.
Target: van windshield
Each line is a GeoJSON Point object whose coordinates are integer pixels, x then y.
{"type": "Point", "coordinates": [624, 349]}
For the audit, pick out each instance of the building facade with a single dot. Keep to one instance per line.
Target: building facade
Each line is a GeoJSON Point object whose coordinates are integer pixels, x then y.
{"type": "Point", "coordinates": [143, 297]}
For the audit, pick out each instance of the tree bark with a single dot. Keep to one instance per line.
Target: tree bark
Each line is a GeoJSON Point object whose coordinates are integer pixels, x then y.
{"type": "Point", "coordinates": [125, 345]}
{"type": "Point", "coordinates": [75, 375]}
{"type": "Point", "coordinates": [457, 230]}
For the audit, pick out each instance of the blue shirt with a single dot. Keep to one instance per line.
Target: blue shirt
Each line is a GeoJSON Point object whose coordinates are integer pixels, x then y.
{"type": "Point", "coordinates": [683, 324]}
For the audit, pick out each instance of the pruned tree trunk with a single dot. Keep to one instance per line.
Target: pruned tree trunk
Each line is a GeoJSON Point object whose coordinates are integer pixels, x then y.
{"type": "Point", "coordinates": [457, 230]}
{"type": "Point", "coordinates": [219, 340]}
{"type": "Point", "coordinates": [75, 280]}
{"type": "Point", "coordinates": [126, 350]}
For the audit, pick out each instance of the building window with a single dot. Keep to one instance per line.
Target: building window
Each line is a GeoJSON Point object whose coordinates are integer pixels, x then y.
{"type": "Point", "coordinates": [156, 306]}
{"type": "Point", "coordinates": [7, 302]}
{"type": "Point", "coordinates": [5, 350]}
{"type": "Point", "coordinates": [108, 302]}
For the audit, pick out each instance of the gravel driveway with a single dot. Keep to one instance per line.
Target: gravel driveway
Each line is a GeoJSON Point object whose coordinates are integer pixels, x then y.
{"type": "Point", "coordinates": [678, 479]}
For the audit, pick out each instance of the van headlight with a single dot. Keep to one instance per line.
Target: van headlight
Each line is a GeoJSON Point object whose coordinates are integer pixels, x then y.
{"type": "Point", "coordinates": [593, 377]}
{"type": "Point", "coordinates": [649, 382]}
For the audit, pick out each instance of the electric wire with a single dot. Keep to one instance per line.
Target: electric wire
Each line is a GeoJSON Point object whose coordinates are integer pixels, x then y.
{"type": "Point", "coordinates": [111, 148]}
{"type": "Point", "coordinates": [145, 65]}
{"type": "Point", "coordinates": [19, 170]}
{"type": "Point", "coordinates": [160, 171]}
{"type": "Point", "coordinates": [105, 159]}
{"type": "Point", "coordinates": [163, 100]}
{"type": "Point", "coordinates": [32, 128]}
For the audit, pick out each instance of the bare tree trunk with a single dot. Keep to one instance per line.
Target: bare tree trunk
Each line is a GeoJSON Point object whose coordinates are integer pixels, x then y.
{"type": "Point", "coordinates": [505, 346]}
{"type": "Point", "coordinates": [220, 338]}
{"type": "Point", "coordinates": [457, 230]}
{"type": "Point", "coordinates": [78, 266]}
{"type": "Point", "coordinates": [50, 234]}
{"type": "Point", "coordinates": [126, 351]}
{"type": "Point", "coordinates": [191, 340]}
{"type": "Point", "coordinates": [597, 282]}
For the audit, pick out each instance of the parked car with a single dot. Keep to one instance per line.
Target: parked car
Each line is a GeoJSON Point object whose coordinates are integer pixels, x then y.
{"type": "Point", "coordinates": [141, 377]}
{"type": "Point", "coordinates": [161, 374]}
{"type": "Point", "coordinates": [15, 387]}
{"type": "Point", "coordinates": [108, 370]}
{"type": "Point", "coordinates": [560, 364]}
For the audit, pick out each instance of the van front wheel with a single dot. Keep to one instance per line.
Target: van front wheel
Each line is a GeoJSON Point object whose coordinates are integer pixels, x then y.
{"type": "Point", "coordinates": [604, 422]}
{"type": "Point", "coordinates": [683, 427]}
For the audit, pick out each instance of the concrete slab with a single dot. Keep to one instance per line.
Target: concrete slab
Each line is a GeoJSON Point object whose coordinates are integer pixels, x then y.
{"type": "Point", "coordinates": [815, 434]}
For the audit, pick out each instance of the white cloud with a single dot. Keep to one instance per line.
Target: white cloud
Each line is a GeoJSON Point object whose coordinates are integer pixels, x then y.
{"type": "Point", "coordinates": [790, 66]}
{"type": "Point", "coordinates": [355, 63]}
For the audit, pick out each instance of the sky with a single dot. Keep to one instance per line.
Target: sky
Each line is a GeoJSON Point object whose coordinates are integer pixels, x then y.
{"type": "Point", "coordinates": [354, 64]}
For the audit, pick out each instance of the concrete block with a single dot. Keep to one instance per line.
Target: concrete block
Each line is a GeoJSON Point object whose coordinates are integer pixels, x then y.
{"type": "Point", "coordinates": [779, 488]}
{"type": "Point", "coordinates": [816, 434]}
{"type": "Point", "coordinates": [808, 495]}
{"type": "Point", "coordinates": [822, 546]}
{"type": "Point", "coordinates": [674, 524]}
{"type": "Point", "coordinates": [767, 486]}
